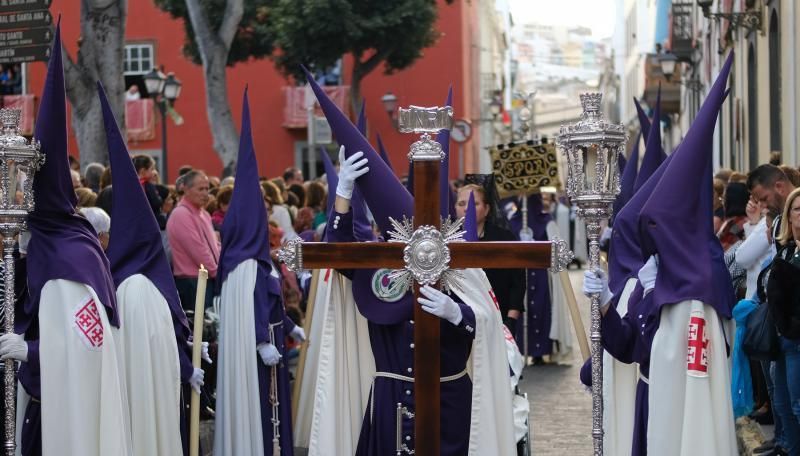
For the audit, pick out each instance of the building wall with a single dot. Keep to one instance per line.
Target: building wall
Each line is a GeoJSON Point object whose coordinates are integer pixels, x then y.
{"type": "Point", "coordinates": [425, 83]}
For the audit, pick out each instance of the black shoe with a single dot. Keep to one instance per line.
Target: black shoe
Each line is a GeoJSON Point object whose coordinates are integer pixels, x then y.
{"type": "Point", "coordinates": [764, 447]}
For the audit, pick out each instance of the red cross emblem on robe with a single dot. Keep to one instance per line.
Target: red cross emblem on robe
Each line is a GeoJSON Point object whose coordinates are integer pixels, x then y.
{"type": "Point", "coordinates": [88, 324]}
{"type": "Point", "coordinates": [697, 350]}
{"type": "Point", "coordinates": [494, 299]}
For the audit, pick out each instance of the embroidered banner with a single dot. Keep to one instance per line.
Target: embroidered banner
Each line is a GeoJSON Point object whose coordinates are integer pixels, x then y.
{"type": "Point", "coordinates": [523, 168]}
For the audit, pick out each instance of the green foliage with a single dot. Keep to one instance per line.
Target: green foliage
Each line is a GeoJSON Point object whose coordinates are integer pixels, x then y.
{"type": "Point", "coordinates": [254, 38]}
{"type": "Point", "coordinates": [319, 32]}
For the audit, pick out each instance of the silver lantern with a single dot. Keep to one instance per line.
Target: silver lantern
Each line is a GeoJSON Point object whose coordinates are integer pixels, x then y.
{"type": "Point", "coordinates": [19, 161]}
{"type": "Point", "coordinates": [592, 147]}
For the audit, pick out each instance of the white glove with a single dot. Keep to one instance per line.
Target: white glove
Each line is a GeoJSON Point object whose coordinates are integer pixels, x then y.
{"type": "Point", "coordinates": [298, 334]}
{"type": "Point", "coordinates": [647, 275]}
{"type": "Point", "coordinates": [197, 380]}
{"type": "Point", "coordinates": [203, 351]}
{"type": "Point", "coordinates": [13, 346]}
{"type": "Point", "coordinates": [269, 354]}
{"type": "Point", "coordinates": [439, 304]}
{"type": "Point", "coordinates": [597, 282]}
{"type": "Point", "coordinates": [349, 170]}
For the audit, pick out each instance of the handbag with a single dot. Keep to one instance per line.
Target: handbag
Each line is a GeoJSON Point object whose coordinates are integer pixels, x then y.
{"type": "Point", "coordinates": [761, 339]}
{"type": "Point", "coordinates": [783, 297]}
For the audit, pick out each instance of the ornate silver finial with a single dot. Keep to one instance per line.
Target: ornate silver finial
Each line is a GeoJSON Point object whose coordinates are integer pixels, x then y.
{"type": "Point", "coordinates": [10, 120]}
{"type": "Point", "coordinates": [591, 102]}
{"type": "Point", "coordinates": [291, 254]}
{"type": "Point", "coordinates": [417, 119]}
{"type": "Point", "coordinates": [560, 256]}
{"type": "Point", "coordinates": [426, 254]}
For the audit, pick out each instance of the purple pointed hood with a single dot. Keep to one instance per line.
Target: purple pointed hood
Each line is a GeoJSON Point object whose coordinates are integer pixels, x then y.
{"type": "Point", "coordinates": [644, 121]}
{"type": "Point", "coordinates": [382, 152]}
{"type": "Point", "coordinates": [63, 243]}
{"type": "Point", "coordinates": [627, 179]}
{"type": "Point", "coordinates": [625, 255]}
{"type": "Point", "coordinates": [245, 234]}
{"type": "Point", "coordinates": [362, 228]}
{"type": "Point", "coordinates": [384, 194]}
{"type": "Point", "coordinates": [135, 245]}
{"type": "Point", "coordinates": [674, 222]}
{"type": "Point", "coordinates": [331, 176]}
{"type": "Point", "coordinates": [361, 124]}
{"type": "Point", "coordinates": [653, 153]}
{"type": "Point", "coordinates": [471, 220]}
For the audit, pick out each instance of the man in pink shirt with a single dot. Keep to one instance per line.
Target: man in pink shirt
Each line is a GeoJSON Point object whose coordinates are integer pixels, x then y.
{"type": "Point", "coordinates": [193, 240]}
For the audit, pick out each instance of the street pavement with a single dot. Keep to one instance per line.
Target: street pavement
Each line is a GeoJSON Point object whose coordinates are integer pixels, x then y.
{"type": "Point", "coordinates": [561, 408]}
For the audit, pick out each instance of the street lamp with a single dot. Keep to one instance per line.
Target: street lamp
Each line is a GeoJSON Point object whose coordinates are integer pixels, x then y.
{"type": "Point", "coordinates": [164, 89]}
{"type": "Point", "coordinates": [390, 105]}
{"type": "Point", "coordinates": [667, 62]}
{"type": "Point", "coordinates": [749, 19]}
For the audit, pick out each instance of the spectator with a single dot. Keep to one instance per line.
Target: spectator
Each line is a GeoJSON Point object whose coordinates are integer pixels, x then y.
{"type": "Point", "coordinates": [775, 158]}
{"type": "Point", "coordinates": [724, 174]}
{"type": "Point", "coordinates": [223, 202]}
{"type": "Point", "coordinates": [170, 198]}
{"type": "Point", "coordinates": [101, 223]}
{"type": "Point", "coordinates": [93, 174]}
{"type": "Point", "coordinates": [86, 197]}
{"type": "Point", "coordinates": [192, 239]}
{"type": "Point", "coordinates": [278, 181]}
{"type": "Point", "coordinates": [132, 94]}
{"type": "Point", "coordinates": [292, 176]}
{"type": "Point", "coordinates": [74, 164]}
{"type": "Point", "coordinates": [76, 179]}
{"type": "Point", "coordinates": [278, 210]}
{"type": "Point", "coordinates": [105, 179]}
{"type": "Point", "coordinates": [737, 177]}
{"type": "Point", "coordinates": [316, 200]}
{"type": "Point", "coordinates": [300, 192]}
{"type": "Point", "coordinates": [792, 174]}
{"type": "Point", "coordinates": [719, 211]}
{"type": "Point", "coordinates": [732, 229]}
{"type": "Point", "coordinates": [145, 167]}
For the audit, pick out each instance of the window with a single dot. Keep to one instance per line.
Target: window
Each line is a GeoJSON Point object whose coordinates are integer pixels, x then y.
{"type": "Point", "coordinates": [138, 59]}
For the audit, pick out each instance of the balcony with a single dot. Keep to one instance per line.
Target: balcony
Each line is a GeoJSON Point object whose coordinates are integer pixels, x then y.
{"type": "Point", "coordinates": [681, 37]}
{"type": "Point", "coordinates": [294, 111]}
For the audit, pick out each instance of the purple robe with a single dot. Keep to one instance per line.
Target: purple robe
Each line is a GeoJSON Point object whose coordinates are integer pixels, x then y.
{"type": "Point", "coordinates": [391, 332]}
{"type": "Point", "coordinates": [538, 305]}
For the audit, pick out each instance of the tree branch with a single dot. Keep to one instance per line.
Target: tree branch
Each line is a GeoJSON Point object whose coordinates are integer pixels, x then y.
{"type": "Point", "coordinates": [202, 31]}
{"type": "Point", "coordinates": [234, 9]}
{"type": "Point", "coordinates": [364, 68]}
{"type": "Point", "coordinates": [73, 77]}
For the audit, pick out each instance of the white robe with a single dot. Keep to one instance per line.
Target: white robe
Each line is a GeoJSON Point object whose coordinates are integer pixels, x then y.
{"type": "Point", "coordinates": [619, 392]}
{"type": "Point", "coordinates": [84, 407]}
{"type": "Point", "coordinates": [560, 329]}
{"type": "Point", "coordinates": [237, 429]}
{"type": "Point", "coordinates": [147, 348]}
{"type": "Point", "coordinates": [345, 370]}
{"type": "Point", "coordinates": [691, 412]}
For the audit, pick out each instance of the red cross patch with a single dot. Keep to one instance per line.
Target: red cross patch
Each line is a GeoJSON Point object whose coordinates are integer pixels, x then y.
{"type": "Point", "coordinates": [327, 275]}
{"type": "Point", "coordinates": [494, 298]}
{"type": "Point", "coordinates": [697, 353]}
{"type": "Point", "coordinates": [88, 324]}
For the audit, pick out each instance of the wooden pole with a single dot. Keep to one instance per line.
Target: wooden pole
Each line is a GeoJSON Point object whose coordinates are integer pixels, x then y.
{"type": "Point", "coordinates": [197, 350]}
{"type": "Point", "coordinates": [577, 322]}
{"type": "Point", "coordinates": [301, 363]}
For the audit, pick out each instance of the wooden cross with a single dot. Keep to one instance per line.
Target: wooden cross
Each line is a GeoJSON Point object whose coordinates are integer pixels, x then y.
{"type": "Point", "coordinates": [374, 255]}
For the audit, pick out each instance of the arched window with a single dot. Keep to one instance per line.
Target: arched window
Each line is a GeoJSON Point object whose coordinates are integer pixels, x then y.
{"type": "Point", "coordinates": [752, 108]}
{"type": "Point", "coordinates": [775, 140]}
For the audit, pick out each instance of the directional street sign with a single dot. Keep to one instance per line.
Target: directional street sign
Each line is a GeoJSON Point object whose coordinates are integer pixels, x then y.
{"type": "Point", "coordinates": [29, 37]}
{"type": "Point", "coordinates": [14, 6]}
{"type": "Point", "coordinates": [25, 19]}
{"type": "Point", "coordinates": [25, 54]}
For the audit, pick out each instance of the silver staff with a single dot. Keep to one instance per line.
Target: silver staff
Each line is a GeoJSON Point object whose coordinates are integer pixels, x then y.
{"type": "Point", "coordinates": [592, 147]}
{"type": "Point", "coordinates": [19, 161]}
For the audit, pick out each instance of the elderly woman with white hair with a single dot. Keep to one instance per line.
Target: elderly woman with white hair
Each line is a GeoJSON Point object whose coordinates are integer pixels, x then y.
{"type": "Point", "coordinates": [101, 223]}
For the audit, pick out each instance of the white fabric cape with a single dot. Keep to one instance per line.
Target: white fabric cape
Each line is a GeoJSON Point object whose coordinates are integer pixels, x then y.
{"type": "Point", "coordinates": [689, 414]}
{"type": "Point", "coordinates": [492, 421]}
{"type": "Point", "coordinates": [237, 429]}
{"type": "Point", "coordinates": [560, 329]}
{"type": "Point", "coordinates": [84, 407]}
{"type": "Point", "coordinates": [619, 392]}
{"type": "Point", "coordinates": [308, 384]}
{"type": "Point", "coordinates": [346, 369]}
{"type": "Point", "coordinates": [147, 348]}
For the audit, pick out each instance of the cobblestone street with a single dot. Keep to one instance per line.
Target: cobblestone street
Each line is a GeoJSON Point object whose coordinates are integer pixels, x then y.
{"type": "Point", "coordinates": [561, 408]}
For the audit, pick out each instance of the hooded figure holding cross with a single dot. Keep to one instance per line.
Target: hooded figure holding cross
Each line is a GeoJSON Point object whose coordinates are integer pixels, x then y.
{"type": "Point", "coordinates": [474, 376]}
